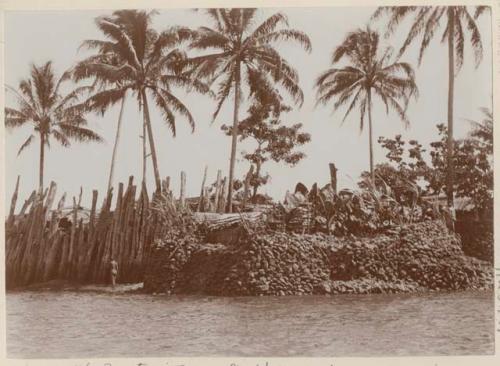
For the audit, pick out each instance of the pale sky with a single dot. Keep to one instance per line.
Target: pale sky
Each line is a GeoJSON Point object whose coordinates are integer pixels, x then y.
{"type": "Point", "coordinates": [55, 35]}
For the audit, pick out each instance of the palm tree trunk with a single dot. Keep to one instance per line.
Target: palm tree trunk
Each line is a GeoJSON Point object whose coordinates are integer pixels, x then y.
{"type": "Point", "coordinates": [144, 154]}
{"type": "Point", "coordinates": [234, 137]}
{"type": "Point", "coordinates": [451, 85]}
{"type": "Point", "coordinates": [151, 141]}
{"type": "Point", "coordinates": [42, 162]}
{"type": "Point", "coordinates": [115, 147]}
{"type": "Point", "coordinates": [370, 136]}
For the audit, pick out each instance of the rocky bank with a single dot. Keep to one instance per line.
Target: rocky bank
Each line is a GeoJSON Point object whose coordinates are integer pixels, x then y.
{"type": "Point", "coordinates": [412, 258]}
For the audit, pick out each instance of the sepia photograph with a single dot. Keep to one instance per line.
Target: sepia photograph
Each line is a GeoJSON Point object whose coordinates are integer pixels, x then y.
{"type": "Point", "coordinates": [249, 182]}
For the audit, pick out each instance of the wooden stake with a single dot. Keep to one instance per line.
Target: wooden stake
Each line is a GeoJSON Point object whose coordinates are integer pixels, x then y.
{"type": "Point", "coordinates": [13, 202]}
{"type": "Point", "coordinates": [182, 196]}
{"type": "Point", "coordinates": [217, 190]}
{"type": "Point", "coordinates": [247, 186]}
{"type": "Point", "coordinates": [333, 177]}
{"type": "Point", "coordinates": [222, 199]}
{"type": "Point", "coordinates": [202, 191]}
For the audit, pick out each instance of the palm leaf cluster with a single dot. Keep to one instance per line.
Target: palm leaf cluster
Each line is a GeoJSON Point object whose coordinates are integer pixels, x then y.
{"type": "Point", "coordinates": [367, 72]}
{"type": "Point", "coordinates": [236, 51]}
{"type": "Point", "coordinates": [428, 20]}
{"type": "Point", "coordinates": [247, 53]}
{"type": "Point", "coordinates": [135, 57]}
{"type": "Point", "coordinates": [52, 114]}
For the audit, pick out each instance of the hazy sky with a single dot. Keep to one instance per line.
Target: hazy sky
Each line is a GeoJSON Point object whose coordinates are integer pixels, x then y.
{"type": "Point", "coordinates": [41, 36]}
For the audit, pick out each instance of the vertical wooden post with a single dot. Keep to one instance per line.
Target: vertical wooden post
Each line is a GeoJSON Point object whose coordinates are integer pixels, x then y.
{"type": "Point", "coordinates": [202, 191]}
{"type": "Point", "coordinates": [222, 198]}
{"type": "Point", "coordinates": [247, 186]}
{"type": "Point", "coordinates": [217, 190]}
{"type": "Point", "coordinates": [50, 199]}
{"type": "Point", "coordinates": [13, 202]}
{"type": "Point", "coordinates": [182, 196]}
{"type": "Point", "coordinates": [69, 268]}
{"type": "Point", "coordinates": [333, 177]}
{"type": "Point", "coordinates": [27, 203]}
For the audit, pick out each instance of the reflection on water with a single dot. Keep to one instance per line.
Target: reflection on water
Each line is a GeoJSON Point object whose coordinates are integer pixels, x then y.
{"type": "Point", "coordinates": [89, 324]}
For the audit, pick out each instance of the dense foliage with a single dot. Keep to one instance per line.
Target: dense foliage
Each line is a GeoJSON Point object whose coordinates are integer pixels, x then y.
{"type": "Point", "coordinates": [274, 140]}
{"type": "Point", "coordinates": [409, 163]}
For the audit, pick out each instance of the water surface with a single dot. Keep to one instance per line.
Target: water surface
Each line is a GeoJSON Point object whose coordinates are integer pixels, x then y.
{"type": "Point", "coordinates": [61, 324]}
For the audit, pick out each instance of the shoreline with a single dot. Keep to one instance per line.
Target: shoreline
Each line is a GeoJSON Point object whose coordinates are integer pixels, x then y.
{"type": "Point", "coordinates": [137, 289]}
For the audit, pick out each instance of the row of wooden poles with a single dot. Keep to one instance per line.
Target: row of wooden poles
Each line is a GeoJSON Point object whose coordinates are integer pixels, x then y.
{"type": "Point", "coordinates": [39, 248]}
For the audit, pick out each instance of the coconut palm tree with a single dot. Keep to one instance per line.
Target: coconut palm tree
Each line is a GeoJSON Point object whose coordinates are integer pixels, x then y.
{"type": "Point", "coordinates": [368, 73]}
{"type": "Point", "coordinates": [100, 84]}
{"type": "Point", "coordinates": [457, 22]}
{"type": "Point", "coordinates": [150, 64]}
{"type": "Point", "coordinates": [51, 113]}
{"type": "Point", "coordinates": [245, 56]}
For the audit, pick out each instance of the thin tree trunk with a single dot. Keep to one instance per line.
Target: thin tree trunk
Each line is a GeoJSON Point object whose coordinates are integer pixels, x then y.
{"type": "Point", "coordinates": [151, 142]}
{"type": "Point", "coordinates": [257, 175]}
{"type": "Point", "coordinates": [115, 147]}
{"type": "Point", "coordinates": [370, 136]}
{"type": "Point", "coordinates": [234, 138]}
{"type": "Point", "coordinates": [451, 85]}
{"type": "Point", "coordinates": [144, 154]}
{"type": "Point", "coordinates": [42, 161]}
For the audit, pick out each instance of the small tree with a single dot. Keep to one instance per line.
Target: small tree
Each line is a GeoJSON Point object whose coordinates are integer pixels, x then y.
{"type": "Point", "coordinates": [275, 141]}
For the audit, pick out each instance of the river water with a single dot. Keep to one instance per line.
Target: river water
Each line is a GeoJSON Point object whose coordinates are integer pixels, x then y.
{"type": "Point", "coordinates": [76, 324]}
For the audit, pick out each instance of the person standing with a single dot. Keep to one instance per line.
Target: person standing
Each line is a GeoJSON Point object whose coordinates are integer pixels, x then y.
{"type": "Point", "coordinates": [114, 271]}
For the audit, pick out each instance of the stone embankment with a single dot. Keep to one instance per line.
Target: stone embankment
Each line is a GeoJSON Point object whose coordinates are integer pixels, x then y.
{"type": "Point", "coordinates": [414, 258]}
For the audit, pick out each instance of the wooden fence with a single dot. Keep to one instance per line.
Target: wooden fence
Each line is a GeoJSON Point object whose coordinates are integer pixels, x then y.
{"type": "Point", "coordinates": [44, 244]}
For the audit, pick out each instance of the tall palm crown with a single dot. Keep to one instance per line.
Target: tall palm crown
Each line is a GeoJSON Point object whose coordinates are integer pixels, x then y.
{"type": "Point", "coordinates": [51, 113]}
{"type": "Point", "coordinates": [145, 62]}
{"type": "Point", "coordinates": [367, 73]}
{"type": "Point", "coordinates": [427, 21]}
{"type": "Point", "coordinates": [245, 52]}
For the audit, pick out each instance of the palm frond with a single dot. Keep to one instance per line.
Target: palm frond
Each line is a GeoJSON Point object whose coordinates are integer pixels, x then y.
{"type": "Point", "coordinates": [269, 25]}
{"type": "Point", "coordinates": [459, 46]}
{"type": "Point", "coordinates": [25, 144]}
{"type": "Point", "coordinates": [475, 35]}
{"type": "Point", "coordinates": [127, 48]}
{"type": "Point", "coordinates": [430, 28]}
{"type": "Point", "coordinates": [286, 35]}
{"type": "Point", "coordinates": [61, 138]}
{"type": "Point", "coordinates": [166, 112]}
{"type": "Point", "coordinates": [179, 107]}
{"type": "Point", "coordinates": [223, 92]}
{"type": "Point", "coordinates": [186, 82]}
{"type": "Point", "coordinates": [79, 133]}
{"type": "Point", "coordinates": [100, 102]}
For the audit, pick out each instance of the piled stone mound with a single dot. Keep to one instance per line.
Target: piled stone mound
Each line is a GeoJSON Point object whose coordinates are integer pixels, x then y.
{"type": "Point", "coordinates": [278, 264]}
{"type": "Point", "coordinates": [417, 257]}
